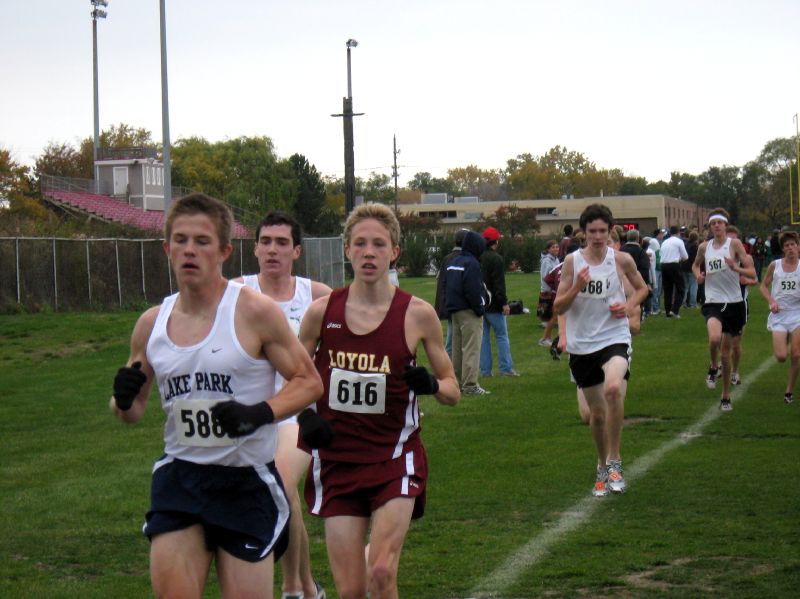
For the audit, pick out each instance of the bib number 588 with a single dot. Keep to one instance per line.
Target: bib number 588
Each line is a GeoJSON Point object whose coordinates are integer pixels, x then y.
{"type": "Point", "coordinates": [195, 427]}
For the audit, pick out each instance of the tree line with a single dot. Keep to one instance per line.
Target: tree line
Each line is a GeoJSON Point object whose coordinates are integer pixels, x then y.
{"type": "Point", "coordinates": [247, 173]}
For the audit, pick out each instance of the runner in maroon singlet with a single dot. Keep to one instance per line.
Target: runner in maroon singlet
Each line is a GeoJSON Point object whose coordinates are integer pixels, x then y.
{"type": "Point", "coordinates": [368, 472]}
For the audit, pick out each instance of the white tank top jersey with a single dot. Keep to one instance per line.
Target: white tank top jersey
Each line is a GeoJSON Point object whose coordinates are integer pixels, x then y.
{"type": "Point", "coordinates": [590, 324]}
{"type": "Point", "coordinates": [786, 287]}
{"type": "Point", "coordinates": [192, 379]}
{"type": "Point", "coordinates": [722, 283]}
{"type": "Point", "coordinates": [294, 309]}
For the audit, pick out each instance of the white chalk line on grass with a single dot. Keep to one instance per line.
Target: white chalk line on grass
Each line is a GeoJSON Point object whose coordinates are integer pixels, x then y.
{"type": "Point", "coordinates": [539, 546]}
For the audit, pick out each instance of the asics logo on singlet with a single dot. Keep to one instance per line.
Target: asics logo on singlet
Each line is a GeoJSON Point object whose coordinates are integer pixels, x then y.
{"type": "Point", "coordinates": [333, 325]}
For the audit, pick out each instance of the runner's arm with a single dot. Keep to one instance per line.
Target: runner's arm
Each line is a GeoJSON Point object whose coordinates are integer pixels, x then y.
{"type": "Point", "coordinates": [422, 317]}
{"type": "Point", "coordinates": [139, 338]}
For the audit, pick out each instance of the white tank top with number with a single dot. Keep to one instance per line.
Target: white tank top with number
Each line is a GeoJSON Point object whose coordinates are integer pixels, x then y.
{"type": "Point", "coordinates": [722, 283]}
{"type": "Point", "coordinates": [590, 324]}
{"type": "Point", "coordinates": [294, 309]}
{"type": "Point", "coordinates": [192, 379]}
{"type": "Point", "coordinates": [786, 287]}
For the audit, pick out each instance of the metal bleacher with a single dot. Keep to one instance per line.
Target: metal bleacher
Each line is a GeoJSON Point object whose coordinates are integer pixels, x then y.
{"type": "Point", "coordinates": [109, 209]}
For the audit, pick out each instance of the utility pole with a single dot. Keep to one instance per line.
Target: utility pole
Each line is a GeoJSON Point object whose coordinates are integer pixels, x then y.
{"type": "Point", "coordinates": [349, 158]}
{"type": "Point", "coordinates": [396, 152]}
{"type": "Point", "coordinates": [97, 13]}
{"type": "Point", "coordinates": [797, 151]}
{"type": "Point", "coordinates": [165, 111]}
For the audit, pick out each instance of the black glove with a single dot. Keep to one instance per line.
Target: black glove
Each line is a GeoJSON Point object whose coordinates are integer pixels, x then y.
{"type": "Point", "coordinates": [127, 384]}
{"type": "Point", "coordinates": [315, 431]}
{"type": "Point", "coordinates": [238, 420]}
{"type": "Point", "coordinates": [421, 381]}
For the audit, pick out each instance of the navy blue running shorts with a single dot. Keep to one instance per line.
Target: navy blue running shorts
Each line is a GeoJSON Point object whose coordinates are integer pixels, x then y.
{"type": "Point", "coordinates": [242, 510]}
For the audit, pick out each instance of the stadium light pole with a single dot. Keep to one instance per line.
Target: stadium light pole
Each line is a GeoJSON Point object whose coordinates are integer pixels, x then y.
{"type": "Point", "coordinates": [165, 111]}
{"type": "Point", "coordinates": [797, 151]}
{"type": "Point", "coordinates": [97, 13]}
{"type": "Point", "coordinates": [349, 158]}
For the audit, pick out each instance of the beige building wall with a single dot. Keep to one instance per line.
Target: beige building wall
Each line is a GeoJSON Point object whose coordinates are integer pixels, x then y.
{"type": "Point", "coordinates": [647, 212]}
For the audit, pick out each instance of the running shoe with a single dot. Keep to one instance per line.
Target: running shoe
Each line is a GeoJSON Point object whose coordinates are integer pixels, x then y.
{"type": "Point", "coordinates": [788, 398]}
{"type": "Point", "coordinates": [615, 480]}
{"type": "Point", "coordinates": [320, 594]}
{"type": "Point", "coordinates": [476, 390]}
{"type": "Point", "coordinates": [601, 483]}
{"type": "Point", "coordinates": [725, 405]}
{"type": "Point", "coordinates": [711, 377]}
{"type": "Point", "coordinates": [545, 342]}
{"type": "Point", "coordinates": [735, 379]}
{"type": "Point", "coordinates": [512, 373]}
{"type": "Point", "coordinates": [554, 351]}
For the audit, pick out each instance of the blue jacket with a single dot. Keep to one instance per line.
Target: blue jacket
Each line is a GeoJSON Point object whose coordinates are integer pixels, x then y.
{"type": "Point", "coordinates": [464, 288]}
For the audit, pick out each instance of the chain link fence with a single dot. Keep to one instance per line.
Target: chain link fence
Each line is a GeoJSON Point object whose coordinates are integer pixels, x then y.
{"type": "Point", "coordinates": [99, 274]}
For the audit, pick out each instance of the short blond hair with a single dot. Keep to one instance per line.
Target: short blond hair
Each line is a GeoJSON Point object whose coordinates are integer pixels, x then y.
{"type": "Point", "coordinates": [381, 213]}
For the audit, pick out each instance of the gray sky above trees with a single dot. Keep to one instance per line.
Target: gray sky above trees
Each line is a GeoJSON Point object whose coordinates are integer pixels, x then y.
{"type": "Point", "coordinates": [649, 87]}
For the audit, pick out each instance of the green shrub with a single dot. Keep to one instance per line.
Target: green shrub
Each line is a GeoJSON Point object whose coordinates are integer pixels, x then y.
{"type": "Point", "coordinates": [415, 257]}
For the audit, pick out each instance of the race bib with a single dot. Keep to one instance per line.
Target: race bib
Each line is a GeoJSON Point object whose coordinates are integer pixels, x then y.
{"type": "Point", "coordinates": [596, 289]}
{"type": "Point", "coordinates": [787, 285]}
{"type": "Point", "coordinates": [357, 392]}
{"type": "Point", "coordinates": [194, 425]}
{"type": "Point", "coordinates": [714, 265]}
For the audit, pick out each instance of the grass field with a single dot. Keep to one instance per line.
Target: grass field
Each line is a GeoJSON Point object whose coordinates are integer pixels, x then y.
{"type": "Point", "coordinates": [712, 507]}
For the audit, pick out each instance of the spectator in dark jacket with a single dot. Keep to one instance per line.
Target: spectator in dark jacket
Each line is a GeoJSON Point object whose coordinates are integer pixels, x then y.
{"type": "Point", "coordinates": [640, 258]}
{"type": "Point", "coordinates": [439, 302]}
{"type": "Point", "coordinates": [466, 299]}
{"type": "Point", "coordinates": [690, 293]}
{"type": "Point", "coordinates": [494, 276]}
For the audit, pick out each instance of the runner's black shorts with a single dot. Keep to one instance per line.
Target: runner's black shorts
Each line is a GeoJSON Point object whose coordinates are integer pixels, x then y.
{"type": "Point", "coordinates": [243, 510]}
{"type": "Point", "coordinates": [587, 369]}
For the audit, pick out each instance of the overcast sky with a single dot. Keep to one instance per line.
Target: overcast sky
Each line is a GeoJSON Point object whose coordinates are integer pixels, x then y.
{"type": "Point", "coordinates": [646, 86]}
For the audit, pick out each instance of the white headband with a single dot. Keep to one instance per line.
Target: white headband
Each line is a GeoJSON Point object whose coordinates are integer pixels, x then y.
{"type": "Point", "coordinates": [717, 217]}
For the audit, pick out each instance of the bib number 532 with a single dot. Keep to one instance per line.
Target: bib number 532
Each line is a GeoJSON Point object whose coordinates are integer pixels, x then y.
{"type": "Point", "coordinates": [357, 392]}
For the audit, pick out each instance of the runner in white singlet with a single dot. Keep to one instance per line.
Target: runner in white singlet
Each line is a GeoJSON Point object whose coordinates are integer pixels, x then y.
{"type": "Point", "coordinates": [781, 288]}
{"type": "Point", "coordinates": [278, 245]}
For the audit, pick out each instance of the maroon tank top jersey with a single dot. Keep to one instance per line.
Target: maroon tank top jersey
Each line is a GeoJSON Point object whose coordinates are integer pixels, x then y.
{"type": "Point", "coordinates": [369, 405]}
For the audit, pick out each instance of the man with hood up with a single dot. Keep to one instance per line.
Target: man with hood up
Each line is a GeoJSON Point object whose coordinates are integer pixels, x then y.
{"type": "Point", "coordinates": [466, 301]}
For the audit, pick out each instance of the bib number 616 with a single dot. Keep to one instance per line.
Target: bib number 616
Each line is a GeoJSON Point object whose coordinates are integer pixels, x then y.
{"type": "Point", "coordinates": [357, 392]}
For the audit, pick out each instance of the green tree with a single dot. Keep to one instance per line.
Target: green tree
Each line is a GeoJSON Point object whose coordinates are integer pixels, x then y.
{"type": "Point", "coordinates": [765, 185]}
{"type": "Point", "coordinates": [425, 183]}
{"type": "Point", "coordinates": [19, 211]}
{"type": "Point", "coordinates": [512, 220]}
{"type": "Point", "coordinates": [60, 160]}
{"type": "Point", "coordinates": [116, 137]}
{"type": "Point", "coordinates": [720, 187]}
{"type": "Point", "coordinates": [14, 182]}
{"type": "Point", "coordinates": [244, 172]}
{"type": "Point", "coordinates": [684, 186]}
{"type": "Point", "coordinates": [309, 194]}
{"type": "Point", "coordinates": [378, 188]}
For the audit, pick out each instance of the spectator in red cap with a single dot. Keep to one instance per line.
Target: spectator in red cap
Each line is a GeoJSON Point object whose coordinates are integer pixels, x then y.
{"type": "Point", "coordinates": [494, 276]}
